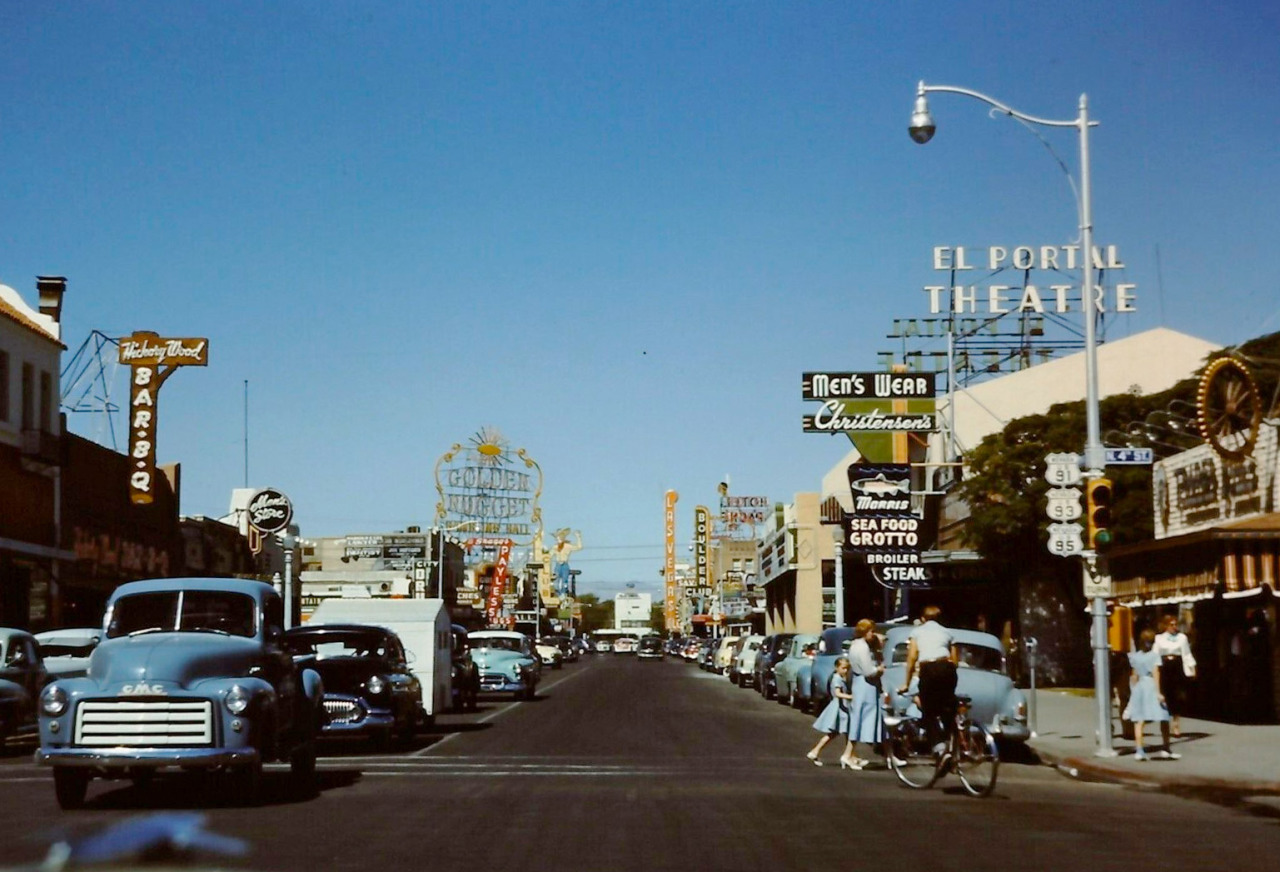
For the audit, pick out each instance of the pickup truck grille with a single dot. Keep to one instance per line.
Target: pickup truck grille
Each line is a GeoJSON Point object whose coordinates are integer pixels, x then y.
{"type": "Point", "coordinates": [144, 723]}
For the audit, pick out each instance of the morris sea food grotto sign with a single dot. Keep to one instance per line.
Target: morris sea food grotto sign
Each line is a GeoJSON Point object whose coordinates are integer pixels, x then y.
{"type": "Point", "coordinates": [882, 527]}
{"type": "Point", "coordinates": [151, 360]}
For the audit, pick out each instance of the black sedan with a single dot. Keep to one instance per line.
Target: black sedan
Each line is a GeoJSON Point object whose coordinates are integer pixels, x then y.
{"type": "Point", "coordinates": [368, 688]}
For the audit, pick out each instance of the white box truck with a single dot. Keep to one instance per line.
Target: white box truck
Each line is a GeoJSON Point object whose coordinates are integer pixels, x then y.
{"type": "Point", "coordinates": [423, 627]}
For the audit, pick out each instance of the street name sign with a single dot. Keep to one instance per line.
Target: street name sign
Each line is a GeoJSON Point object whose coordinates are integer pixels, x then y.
{"type": "Point", "coordinates": [1130, 456]}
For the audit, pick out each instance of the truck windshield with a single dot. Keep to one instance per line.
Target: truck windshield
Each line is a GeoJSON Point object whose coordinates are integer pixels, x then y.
{"type": "Point", "coordinates": [211, 611]}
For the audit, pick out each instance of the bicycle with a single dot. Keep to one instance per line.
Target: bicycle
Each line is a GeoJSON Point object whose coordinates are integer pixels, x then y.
{"type": "Point", "coordinates": [970, 752]}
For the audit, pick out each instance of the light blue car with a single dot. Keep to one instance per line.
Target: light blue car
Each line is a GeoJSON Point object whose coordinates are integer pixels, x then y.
{"type": "Point", "coordinates": [792, 672]}
{"type": "Point", "coordinates": [191, 673]}
{"type": "Point", "coordinates": [507, 662]}
{"type": "Point", "coordinates": [832, 644]}
{"type": "Point", "coordinates": [981, 676]}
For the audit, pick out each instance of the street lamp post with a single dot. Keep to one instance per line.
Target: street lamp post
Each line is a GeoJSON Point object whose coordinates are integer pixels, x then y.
{"type": "Point", "coordinates": [922, 129]}
{"type": "Point", "coordinates": [438, 533]}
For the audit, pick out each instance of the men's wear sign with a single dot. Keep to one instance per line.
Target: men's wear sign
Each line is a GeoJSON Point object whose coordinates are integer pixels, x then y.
{"type": "Point", "coordinates": [151, 360]}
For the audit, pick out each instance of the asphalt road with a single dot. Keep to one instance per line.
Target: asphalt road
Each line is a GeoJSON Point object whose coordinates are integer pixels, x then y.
{"type": "Point", "coordinates": [628, 765]}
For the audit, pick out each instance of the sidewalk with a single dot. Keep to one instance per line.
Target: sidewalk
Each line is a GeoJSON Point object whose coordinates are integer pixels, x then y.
{"type": "Point", "coordinates": [1215, 756]}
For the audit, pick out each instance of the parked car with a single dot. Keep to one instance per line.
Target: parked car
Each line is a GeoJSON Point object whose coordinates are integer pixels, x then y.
{"type": "Point", "coordinates": [792, 674]}
{"type": "Point", "coordinates": [568, 650]}
{"type": "Point", "coordinates": [832, 644]}
{"type": "Point", "coordinates": [981, 675]}
{"type": "Point", "coordinates": [423, 627]}
{"type": "Point", "coordinates": [507, 662]}
{"type": "Point", "coordinates": [198, 670]}
{"type": "Point", "coordinates": [549, 653]}
{"type": "Point", "coordinates": [724, 654]}
{"type": "Point", "coordinates": [464, 677]}
{"type": "Point", "coordinates": [22, 675]}
{"type": "Point", "coordinates": [368, 688]}
{"type": "Point", "coordinates": [772, 650]}
{"type": "Point", "coordinates": [66, 652]}
{"type": "Point", "coordinates": [603, 646]}
{"type": "Point", "coordinates": [649, 648]}
{"type": "Point", "coordinates": [624, 645]}
{"type": "Point", "coordinates": [742, 673]}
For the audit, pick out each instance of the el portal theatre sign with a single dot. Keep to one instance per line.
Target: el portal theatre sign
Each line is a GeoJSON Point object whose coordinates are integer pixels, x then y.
{"type": "Point", "coordinates": [151, 360]}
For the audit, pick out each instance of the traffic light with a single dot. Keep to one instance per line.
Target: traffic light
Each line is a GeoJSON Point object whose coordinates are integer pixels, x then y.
{"type": "Point", "coordinates": [1099, 495]}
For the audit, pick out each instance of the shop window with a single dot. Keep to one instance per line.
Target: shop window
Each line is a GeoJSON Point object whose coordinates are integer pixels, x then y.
{"type": "Point", "coordinates": [28, 397]}
{"type": "Point", "coordinates": [4, 385]}
{"type": "Point", "coordinates": [46, 402]}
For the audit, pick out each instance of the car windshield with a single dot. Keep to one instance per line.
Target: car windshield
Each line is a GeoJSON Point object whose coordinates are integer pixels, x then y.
{"type": "Point", "coordinates": [972, 656]}
{"type": "Point", "coordinates": [210, 611]}
{"type": "Point", "coordinates": [333, 645]}
{"type": "Point", "coordinates": [499, 642]}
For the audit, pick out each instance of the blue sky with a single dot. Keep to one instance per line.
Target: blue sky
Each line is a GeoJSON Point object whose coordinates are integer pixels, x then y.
{"type": "Point", "coordinates": [617, 232]}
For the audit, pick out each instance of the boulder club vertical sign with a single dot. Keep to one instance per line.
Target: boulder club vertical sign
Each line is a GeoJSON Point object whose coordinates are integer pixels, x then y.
{"type": "Point", "coordinates": [151, 360]}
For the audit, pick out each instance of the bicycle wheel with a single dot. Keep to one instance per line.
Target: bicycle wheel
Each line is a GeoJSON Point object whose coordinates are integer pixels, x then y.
{"type": "Point", "coordinates": [976, 759]}
{"type": "Point", "coordinates": [915, 766]}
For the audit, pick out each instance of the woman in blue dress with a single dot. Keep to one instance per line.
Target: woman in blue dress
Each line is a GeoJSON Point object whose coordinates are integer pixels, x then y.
{"type": "Point", "coordinates": [865, 714]}
{"type": "Point", "coordinates": [1146, 701]}
{"type": "Point", "coordinates": [834, 719]}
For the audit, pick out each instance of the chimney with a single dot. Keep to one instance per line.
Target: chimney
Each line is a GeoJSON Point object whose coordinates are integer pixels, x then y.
{"type": "Point", "coordinates": [51, 289]}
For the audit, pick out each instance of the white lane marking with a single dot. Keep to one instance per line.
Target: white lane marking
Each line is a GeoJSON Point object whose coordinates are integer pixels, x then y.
{"type": "Point", "coordinates": [492, 715]}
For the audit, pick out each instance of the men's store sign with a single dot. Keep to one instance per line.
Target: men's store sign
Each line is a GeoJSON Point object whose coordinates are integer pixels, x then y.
{"type": "Point", "coordinates": [870, 402]}
{"type": "Point", "coordinates": [882, 527]}
{"type": "Point", "coordinates": [269, 511]}
{"type": "Point", "coordinates": [1198, 489]}
{"type": "Point", "coordinates": [151, 360]}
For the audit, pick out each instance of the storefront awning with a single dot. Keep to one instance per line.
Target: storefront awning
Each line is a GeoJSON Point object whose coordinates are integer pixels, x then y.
{"type": "Point", "coordinates": [1236, 559]}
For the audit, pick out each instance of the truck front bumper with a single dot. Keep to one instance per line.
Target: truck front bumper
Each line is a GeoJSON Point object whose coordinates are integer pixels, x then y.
{"type": "Point", "coordinates": [146, 758]}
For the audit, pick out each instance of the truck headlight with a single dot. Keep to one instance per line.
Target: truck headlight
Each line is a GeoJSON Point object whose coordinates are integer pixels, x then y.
{"type": "Point", "coordinates": [236, 700]}
{"type": "Point", "coordinates": [53, 701]}
{"type": "Point", "coordinates": [376, 685]}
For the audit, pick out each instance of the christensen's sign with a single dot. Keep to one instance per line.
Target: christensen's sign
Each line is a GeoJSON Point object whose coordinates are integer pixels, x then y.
{"type": "Point", "coordinates": [869, 402]}
{"type": "Point", "coordinates": [145, 353]}
{"type": "Point", "coordinates": [833, 419]}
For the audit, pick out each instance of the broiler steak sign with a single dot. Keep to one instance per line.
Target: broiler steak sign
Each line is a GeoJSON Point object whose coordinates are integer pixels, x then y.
{"type": "Point", "coordinates": [151, 360]}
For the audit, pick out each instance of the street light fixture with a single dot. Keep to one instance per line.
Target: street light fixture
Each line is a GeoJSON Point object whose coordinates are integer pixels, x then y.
{"type": "Point", "coordinates": [922, 128]}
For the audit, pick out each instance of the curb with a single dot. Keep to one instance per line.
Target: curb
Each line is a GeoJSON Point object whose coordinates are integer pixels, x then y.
{"type": "Point", "coordinates": [1094, 769]}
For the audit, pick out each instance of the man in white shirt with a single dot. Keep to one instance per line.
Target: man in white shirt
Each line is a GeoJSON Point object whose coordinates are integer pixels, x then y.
{"type": "Point", "coordinates": [932, 648]}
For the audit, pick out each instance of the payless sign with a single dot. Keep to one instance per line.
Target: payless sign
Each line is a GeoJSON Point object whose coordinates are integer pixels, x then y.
{"type": "Point", "coordinates": [151, 361]}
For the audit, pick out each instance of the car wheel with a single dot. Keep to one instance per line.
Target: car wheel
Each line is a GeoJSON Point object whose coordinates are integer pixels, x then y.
{"type": "Point", "coordinates": [244, 785]}
{"type": "Point", "coordinates": [408, 730]}
{"type": "Point", "coordinates": [302, 767]}
{"type": "Point", "coordinates": [70, 786]}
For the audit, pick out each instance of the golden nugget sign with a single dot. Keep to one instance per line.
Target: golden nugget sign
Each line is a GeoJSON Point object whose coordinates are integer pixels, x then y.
{"type": "Point", "coordinates": [486, 489]}
{"type": "Point", "coordinates": [146, 353]}
{"type": "Point", "coordinates": [996, 299]}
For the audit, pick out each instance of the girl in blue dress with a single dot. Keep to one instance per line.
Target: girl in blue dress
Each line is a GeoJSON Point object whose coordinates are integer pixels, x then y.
{"type": "Point", "coordinates": [834, 719]}
{"type": "Point", "coordinates": [1146, 701]}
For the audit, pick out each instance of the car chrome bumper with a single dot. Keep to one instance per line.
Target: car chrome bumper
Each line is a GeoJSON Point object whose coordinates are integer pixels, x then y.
{"type": "Point", "coordinates": [145, 758]}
